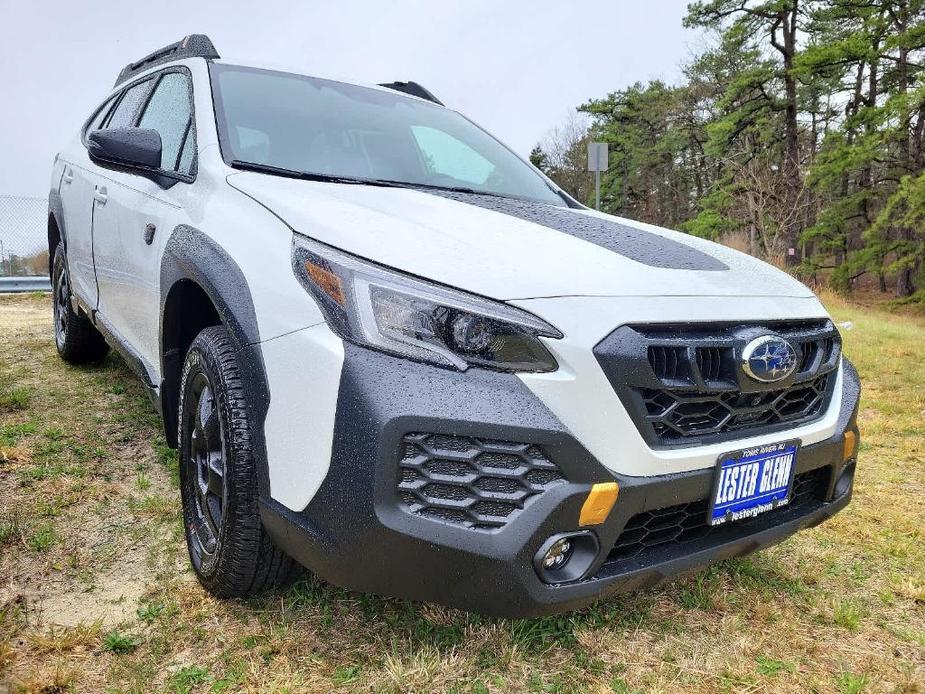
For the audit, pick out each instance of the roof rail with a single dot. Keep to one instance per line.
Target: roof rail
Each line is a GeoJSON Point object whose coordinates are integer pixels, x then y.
{"type": "Point", "coordinates": [412, 88]}
{"type": "Point", "coordinates": [192, 46]}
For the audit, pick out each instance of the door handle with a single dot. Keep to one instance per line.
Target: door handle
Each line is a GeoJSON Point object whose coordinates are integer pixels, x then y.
{"type": "Point", "coordinates": [68, 176]}
{"type": "Point", "coordinates": [99, 194]}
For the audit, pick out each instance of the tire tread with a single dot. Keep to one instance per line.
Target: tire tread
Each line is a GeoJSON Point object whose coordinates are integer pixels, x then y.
{"type": "Point", "coordinates": [248, 562]}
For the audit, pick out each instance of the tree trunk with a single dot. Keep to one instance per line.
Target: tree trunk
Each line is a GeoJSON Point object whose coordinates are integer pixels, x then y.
{"type": "Point", "coordinates": [791, 168]}
{"type": "Point", "coordinates": [904, 284]}
{"type": "Point", "coordinates": [752, 224]}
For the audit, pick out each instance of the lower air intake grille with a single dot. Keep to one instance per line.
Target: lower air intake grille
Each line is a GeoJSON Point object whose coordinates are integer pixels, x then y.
{"type": "Point", "coordinates": [663, 533]}
{"type": "Point", "coordinates": [473, 482]}
{"type": "Point", "coordinates": [675, 415]}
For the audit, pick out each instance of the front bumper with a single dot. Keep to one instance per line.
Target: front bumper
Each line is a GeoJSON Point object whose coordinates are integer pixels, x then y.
{"type": "Point", "coordinates": [357, 532]}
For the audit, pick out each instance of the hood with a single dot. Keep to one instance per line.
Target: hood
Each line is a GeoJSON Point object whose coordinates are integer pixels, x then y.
{"type": "Point", "coordinates": [509, 249]}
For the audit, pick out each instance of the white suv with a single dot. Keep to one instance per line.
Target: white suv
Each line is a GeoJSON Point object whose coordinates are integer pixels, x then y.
{"type": "Point", "coordinates": [390, 350]}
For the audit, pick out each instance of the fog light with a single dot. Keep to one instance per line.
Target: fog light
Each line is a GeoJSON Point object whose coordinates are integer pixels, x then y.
{"type": "Point", "coordinates": [557, 555]}
{"type": "Point", "coordinates": [566, 557]}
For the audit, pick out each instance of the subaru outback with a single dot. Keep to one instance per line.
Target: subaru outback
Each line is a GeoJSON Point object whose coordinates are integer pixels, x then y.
{"type": "Point", "coordinates": [390, 350]}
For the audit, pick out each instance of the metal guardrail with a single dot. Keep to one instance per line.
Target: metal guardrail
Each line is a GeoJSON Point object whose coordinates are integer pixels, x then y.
{"type": "Point", "coordinates": [23, 243]}
{"type": "Point", "coordinates": [13, 285]}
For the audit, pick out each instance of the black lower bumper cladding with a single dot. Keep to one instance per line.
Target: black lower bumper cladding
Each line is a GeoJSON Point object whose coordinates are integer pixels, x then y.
{"type": "Point", "coordinates": [358, 533]}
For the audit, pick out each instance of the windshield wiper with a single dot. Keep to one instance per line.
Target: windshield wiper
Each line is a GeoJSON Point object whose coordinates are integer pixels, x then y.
{"type": "Point", "coordinates": [354, 180]}
{"type": "Point", "coordinates": [451, 189]}
{"type": "Point", "coordinates": [308, 175]}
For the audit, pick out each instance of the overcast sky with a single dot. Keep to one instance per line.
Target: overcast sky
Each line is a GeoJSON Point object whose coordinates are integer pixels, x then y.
{"type": "Point", "coordinates": [515, 67]}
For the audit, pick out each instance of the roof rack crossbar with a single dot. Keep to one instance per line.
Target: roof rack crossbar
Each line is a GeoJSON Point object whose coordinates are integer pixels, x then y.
{"type": "Point", "coordinates": [412, 88]}
{"type": "Point", "coordinates": [192, 46]}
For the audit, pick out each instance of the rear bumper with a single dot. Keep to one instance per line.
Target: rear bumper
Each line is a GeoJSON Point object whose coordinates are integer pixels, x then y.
{"type": "Point", "coordinates": [357, 532]}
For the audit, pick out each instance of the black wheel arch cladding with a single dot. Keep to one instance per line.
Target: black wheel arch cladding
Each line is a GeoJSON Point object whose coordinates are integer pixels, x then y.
{"type": "Point", "coordinates": [56, 215]}
{"type": "Point", "coordinates": [190, 255]}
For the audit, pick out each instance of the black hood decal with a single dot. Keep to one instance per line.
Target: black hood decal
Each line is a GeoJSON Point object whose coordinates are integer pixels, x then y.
{"type": "Point", "coordinates": [635, 244]}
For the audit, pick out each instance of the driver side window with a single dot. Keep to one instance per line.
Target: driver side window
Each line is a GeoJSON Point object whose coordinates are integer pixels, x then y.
{"type": "Point", "coordinates": [168, 112]}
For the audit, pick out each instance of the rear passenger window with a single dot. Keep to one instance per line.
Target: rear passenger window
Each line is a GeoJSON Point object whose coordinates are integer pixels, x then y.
{"type": "Point", "coordinates": [127, 108]}
{"type": "Point", "coordinates": [168, 111]}
{"type": "Point", "coordinates": [100, 116]}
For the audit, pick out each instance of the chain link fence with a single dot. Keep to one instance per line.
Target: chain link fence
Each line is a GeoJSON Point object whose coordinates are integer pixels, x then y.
{"type": "Point", "coordinates": [23, 236]}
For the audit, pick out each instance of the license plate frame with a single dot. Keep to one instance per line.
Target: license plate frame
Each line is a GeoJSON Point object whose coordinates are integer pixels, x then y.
{"type": "Point", "coordinates": [733, 504]}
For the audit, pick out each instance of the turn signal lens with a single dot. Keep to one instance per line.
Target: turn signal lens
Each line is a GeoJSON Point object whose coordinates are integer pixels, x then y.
{"type": "Point", "coordinates": [327, 281]}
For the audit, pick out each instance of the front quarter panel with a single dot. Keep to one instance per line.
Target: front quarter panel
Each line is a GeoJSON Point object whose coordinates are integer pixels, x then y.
{"type": "Point", "coordinates": [241, 258]}
{"type": "Point", "coordinates": [259, 243]}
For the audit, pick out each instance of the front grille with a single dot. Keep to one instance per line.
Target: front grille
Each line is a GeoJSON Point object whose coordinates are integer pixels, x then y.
{"type": "Point", "coordinates": [684, 384]}
{"type": "Point", "coordinates": [665, 533]}
{"type": "Point", "coordinates": [473, 482]}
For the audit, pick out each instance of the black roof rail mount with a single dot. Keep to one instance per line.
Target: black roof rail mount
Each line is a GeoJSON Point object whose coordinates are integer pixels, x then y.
{"type": "Point", "coordinates": [412, 88]}
{"type": "Point", "coordinates": [192, 46]}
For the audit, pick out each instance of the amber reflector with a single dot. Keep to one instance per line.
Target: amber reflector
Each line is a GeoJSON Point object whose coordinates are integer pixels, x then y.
{"type": "Point", "coordinates": [597, 506]}
{"type": "Point", "coordinates": [851, 445]}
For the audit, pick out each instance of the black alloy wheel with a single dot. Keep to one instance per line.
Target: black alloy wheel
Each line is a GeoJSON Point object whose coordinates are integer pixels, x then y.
{"type": "Point", "coordinates": [207, 458]}
{"type": "Point", "coordinates": [62, 307]}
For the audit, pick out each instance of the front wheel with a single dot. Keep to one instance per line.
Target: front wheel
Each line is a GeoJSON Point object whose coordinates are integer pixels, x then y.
{"type": "Point", "coordinates": [230, 551]}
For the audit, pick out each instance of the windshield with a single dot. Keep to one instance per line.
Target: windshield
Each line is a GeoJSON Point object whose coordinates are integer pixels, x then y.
{"type": "Point", "coordinates": [322, 127]}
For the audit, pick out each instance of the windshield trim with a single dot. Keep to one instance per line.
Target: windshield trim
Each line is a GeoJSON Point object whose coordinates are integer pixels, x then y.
{"type": "Point", "coordinates": [230, 160]}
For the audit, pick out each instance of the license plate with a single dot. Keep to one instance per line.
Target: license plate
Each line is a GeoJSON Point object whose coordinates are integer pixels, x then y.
{"type": "Point", "coordinates": [752, 481]}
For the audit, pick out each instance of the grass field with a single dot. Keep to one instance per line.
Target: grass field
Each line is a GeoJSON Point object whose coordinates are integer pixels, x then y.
{"type": "Point", "coordinates": [95, 593]}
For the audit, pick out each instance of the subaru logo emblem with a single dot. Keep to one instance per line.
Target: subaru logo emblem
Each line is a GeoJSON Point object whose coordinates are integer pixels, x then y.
{"type": "Point", "coordinates": [769, 359]}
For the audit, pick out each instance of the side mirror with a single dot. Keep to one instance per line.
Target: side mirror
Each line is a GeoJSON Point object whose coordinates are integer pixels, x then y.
{"type": "Point", "coordinates": [132, 147]}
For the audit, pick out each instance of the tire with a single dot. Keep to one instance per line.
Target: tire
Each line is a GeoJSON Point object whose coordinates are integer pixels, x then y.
{"type": "Point", "coordinates": [76, 338]}
{"type": "Point", "coordinates": [229, 549]}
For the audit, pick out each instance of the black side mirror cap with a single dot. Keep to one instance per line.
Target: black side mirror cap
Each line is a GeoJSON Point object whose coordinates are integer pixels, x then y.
{"type": "Point", "coordinates": [131, 147]}
{"type": "Point", "coordinates": [136, 149]}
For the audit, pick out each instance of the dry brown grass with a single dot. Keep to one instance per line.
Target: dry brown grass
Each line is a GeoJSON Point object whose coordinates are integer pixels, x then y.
{"type": "Point", "coordinates": [95, 593]}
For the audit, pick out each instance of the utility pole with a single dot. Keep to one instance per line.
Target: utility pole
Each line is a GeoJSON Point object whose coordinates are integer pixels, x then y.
{"type": "Point", "coordinates": [598, 160]}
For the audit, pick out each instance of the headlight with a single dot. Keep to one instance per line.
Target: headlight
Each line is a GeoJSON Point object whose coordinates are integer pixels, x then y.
{"type": "Point", "coordinates": [389, 311]}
